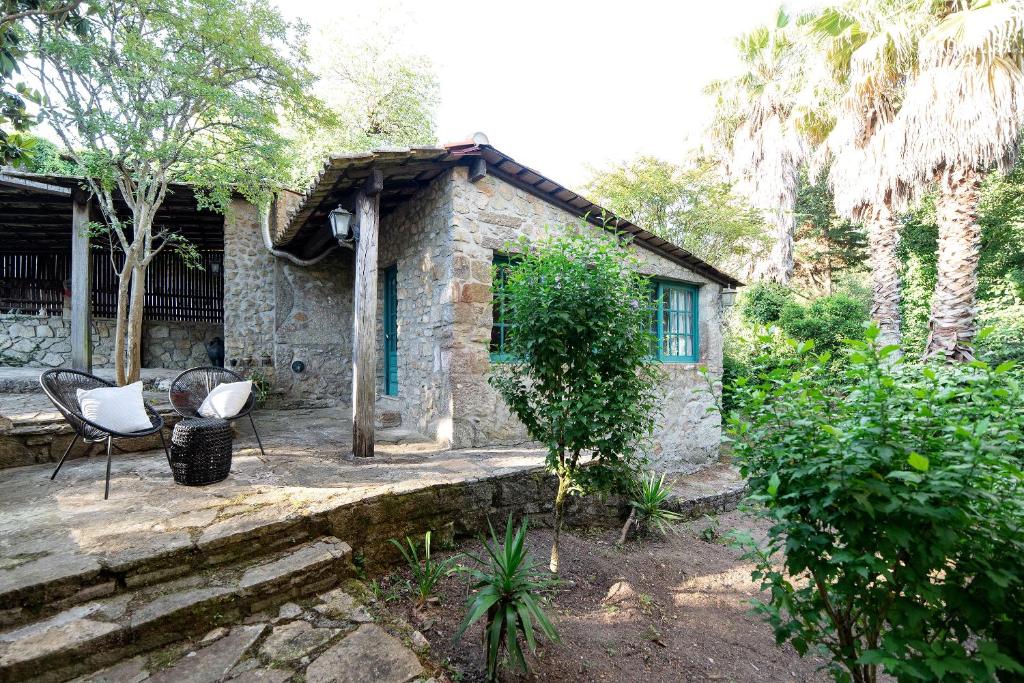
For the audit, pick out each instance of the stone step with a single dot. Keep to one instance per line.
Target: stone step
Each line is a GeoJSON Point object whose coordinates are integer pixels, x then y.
{"type": "Point", "coordinates": [88, 636]}
{"type": "Point", "coordinates": [55, 588]}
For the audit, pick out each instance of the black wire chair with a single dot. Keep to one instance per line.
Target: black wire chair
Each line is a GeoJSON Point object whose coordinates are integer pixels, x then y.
{"type": "Point", "coordinates": [190, 389]}
{"type": "Point", "coordinates": [61, 387]}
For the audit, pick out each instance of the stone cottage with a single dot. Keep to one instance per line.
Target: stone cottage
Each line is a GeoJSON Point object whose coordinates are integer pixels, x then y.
{"type": "Point", "coordinates": [403, 296]}
{"type": "Point", "coordinates": [371, 288]}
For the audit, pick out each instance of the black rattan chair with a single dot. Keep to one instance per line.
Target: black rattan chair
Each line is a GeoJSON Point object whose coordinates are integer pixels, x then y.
{"type": "Point", "coordinates": [61, 386]}
{"type": "Point", "coordinates": [190, 389]}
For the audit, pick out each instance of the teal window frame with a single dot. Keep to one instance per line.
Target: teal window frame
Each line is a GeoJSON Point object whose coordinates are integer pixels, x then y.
{"type": "Point", "coordinates": [659, 289]}
{"type": "Point", "coordinates": [498, 324]}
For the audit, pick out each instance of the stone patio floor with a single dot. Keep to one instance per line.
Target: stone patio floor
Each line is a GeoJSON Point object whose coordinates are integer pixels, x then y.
{"type": "Point", "coordinates": [52, 529]}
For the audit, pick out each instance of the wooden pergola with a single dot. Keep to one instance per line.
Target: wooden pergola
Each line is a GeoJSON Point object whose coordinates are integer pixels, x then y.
{"type": "Point", "coordinates": [48, 214]}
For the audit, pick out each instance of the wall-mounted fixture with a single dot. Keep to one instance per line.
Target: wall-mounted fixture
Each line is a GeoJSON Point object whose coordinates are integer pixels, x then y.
{"type": "Point", "coordinates": [298, 366]}
{"type": "Point", "coordinates": [728, 296]}
{"type": "Point", "coordinates": [342, 227]}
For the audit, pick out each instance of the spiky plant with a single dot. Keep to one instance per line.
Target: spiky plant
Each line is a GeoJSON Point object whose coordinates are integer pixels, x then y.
{"type": "Point", "coordinates": [647, 502]}
{"type": "Point", "coordinates": [426, 572]}
{"type": "Point", "coordinates": [506, 583]}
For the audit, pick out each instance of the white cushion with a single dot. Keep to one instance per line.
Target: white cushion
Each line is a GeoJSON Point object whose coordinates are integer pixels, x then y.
{"type": "Point", "coordinates": [226, 399]}
{"type": "Point", "coordinates": [119, 409]}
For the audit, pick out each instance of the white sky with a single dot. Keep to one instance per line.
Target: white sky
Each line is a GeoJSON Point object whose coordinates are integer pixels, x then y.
{"type": "Point", "coordinates": [560, 85]}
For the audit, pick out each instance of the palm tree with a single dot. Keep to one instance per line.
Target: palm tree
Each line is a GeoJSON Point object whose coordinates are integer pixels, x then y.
{"type": "Point", "coordinates": [758, 124]}
{"type": "Point", "coordinates": [868, 48]}
{"type": "Point", "coordinates": [961, 116]}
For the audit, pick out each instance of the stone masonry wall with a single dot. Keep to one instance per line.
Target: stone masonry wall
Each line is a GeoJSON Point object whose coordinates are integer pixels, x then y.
{"type": "Point", "coordinates": [44, 341]}
{"type": "Point", "coordinates": [416, 238]}
{"type": "Point", "coordinates": [312, 306]}
{"type": "Point", "coordinates": [491, 213]}
{"type": "Point", "coordinates": [248, 292]}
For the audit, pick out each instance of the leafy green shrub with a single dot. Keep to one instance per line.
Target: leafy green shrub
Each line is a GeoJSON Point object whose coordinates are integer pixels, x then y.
{"type": "Point", "coordinates": [426, 572]}
{"type": "Point", "coordinates": [827, 321]}
{"type": "Point", "coordinates": [762, 303]}
{"type": "Point", "coordinates": [896, 499]}
{"type": "Point", "coordinates": [1006, 340]}
{"type": "Point", "coordinates": [506, 584]}
{"type": "Point", "coordinates": [580, 377]}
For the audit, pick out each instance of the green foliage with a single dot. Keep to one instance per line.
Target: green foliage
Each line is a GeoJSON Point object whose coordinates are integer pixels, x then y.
{"type": "Point", "coordinates": [579, 375]}
{"type": "Point", "coordinates": [379, 94]}
{"type": "Point", "coordinates": [762, 303]}
{"type": "Point", "coordinates": [691, 206]}
{"type": "Point", "coordinates": [827, 321]}
{"type": "Point", "coordinates": [647, 499]}
{"type": "Point", "coordinates": [426, 572]}
{"type": "Point", "coordinates": [506, 584]}
{"type": "Point", "coordinates": [826, 246]}
{"type": "Point", "coordinates": [17, 18]}
{"type": "Point", "coordinates": [181, 91]}
{"type": "Point", "coordinates": [896, 501]}
{"type": "Point", "coordinates": [261, 387]}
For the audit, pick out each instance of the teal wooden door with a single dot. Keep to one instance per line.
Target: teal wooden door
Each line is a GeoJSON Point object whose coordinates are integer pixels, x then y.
{"type": "Point", "coordinates": [391, 331]}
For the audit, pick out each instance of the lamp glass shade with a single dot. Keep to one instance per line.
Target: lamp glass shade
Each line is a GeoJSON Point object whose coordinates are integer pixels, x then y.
{"type": "Point", "coordinates": [728, 296]}
{"type": "Point", "coordinates": [340, 219]}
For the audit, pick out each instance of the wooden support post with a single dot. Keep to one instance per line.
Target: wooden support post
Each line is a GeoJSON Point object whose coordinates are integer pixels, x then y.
{"type": "Point", "coordinates": [81, 285]}
{"type": "Point", "coordinates": [477, 169]}
{"type": "Point", "coordinates": [364, 319]}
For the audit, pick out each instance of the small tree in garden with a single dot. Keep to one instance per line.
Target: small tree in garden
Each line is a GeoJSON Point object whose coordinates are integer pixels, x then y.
{"type": "Point", "coordinates": [166, 91]}
{"type": "Point", "coordinates": [896, 499]}
{"type": "Point", "coordinates": [580, 376]}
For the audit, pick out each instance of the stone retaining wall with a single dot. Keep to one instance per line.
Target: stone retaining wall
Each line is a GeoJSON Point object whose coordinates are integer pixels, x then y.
{"type": "Point", "coordinates": [44, 341]}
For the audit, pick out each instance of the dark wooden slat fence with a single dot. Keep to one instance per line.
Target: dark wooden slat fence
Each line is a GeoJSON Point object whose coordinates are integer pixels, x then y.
{"type": "Point", "coordinates": [30, 283]}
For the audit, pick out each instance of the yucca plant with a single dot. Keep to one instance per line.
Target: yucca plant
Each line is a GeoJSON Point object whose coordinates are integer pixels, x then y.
{"type": "Point", "coordinates": [426, 572]}
{"type": "Point", "coordinates": [506, 584]}
{"type": "Point", "coordinates": [647, 500]}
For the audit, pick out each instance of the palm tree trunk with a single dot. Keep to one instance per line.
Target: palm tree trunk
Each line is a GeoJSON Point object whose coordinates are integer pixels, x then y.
{"type": "Point", "coordinates": [778, 265]}
{"type": "Point", "coordinates": [951, 326]}
{"type": "Point", "coordinates": [883, 241]}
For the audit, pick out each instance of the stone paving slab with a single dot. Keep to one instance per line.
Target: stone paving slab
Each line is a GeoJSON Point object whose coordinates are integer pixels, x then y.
{"type": "Point", "coordinates": [121, 625]}
{"type": "Point", "coordinates": [288, 647]}
{"type": "Point", "coordinates": [60, 537]}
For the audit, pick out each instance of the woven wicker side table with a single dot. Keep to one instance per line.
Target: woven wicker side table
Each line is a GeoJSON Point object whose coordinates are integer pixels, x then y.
{"type": "Point", "coordinates": [201, 451]}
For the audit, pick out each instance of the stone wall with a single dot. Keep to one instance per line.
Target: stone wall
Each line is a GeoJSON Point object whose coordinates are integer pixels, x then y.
{"type": "Point", "coordinates": [416, 239]}
{"type": "Point", "coordinates": [489, 214]}
{"type": "Point", "coordinates": [41, 341]}
{"type": "Point", "coordinates": [442, 242]}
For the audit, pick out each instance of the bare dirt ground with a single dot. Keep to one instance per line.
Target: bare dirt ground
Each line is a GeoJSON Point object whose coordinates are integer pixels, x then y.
{"type": "Point", "coordinates": [676, 609]}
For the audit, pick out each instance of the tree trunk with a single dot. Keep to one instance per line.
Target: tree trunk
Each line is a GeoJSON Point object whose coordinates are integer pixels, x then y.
{"type": "Point", "coordinates": [135, 315]}
{"type": "Point", "coordinates": [883, 241]}
{"type": "Point", "coordinates": [564, 480]}
{"type": "Point", "coordinates": [952, 322]}
{"type": "Point", "coordinates": [627, 525]}
{"type": "Point", "coordinates": [121, 328]}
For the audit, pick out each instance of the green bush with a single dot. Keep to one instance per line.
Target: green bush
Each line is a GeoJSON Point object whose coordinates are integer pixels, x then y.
{"type": "Point", "coordinates": [1006, 340]}
{"type": "Point", "coordinates": [827, 321]}
{"type": "Point", "coordinates": [762, 303]}
{"type": "Point", "coordinates": [580, 377]}
{"type": "Point", "coordinates": [896, 501]}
